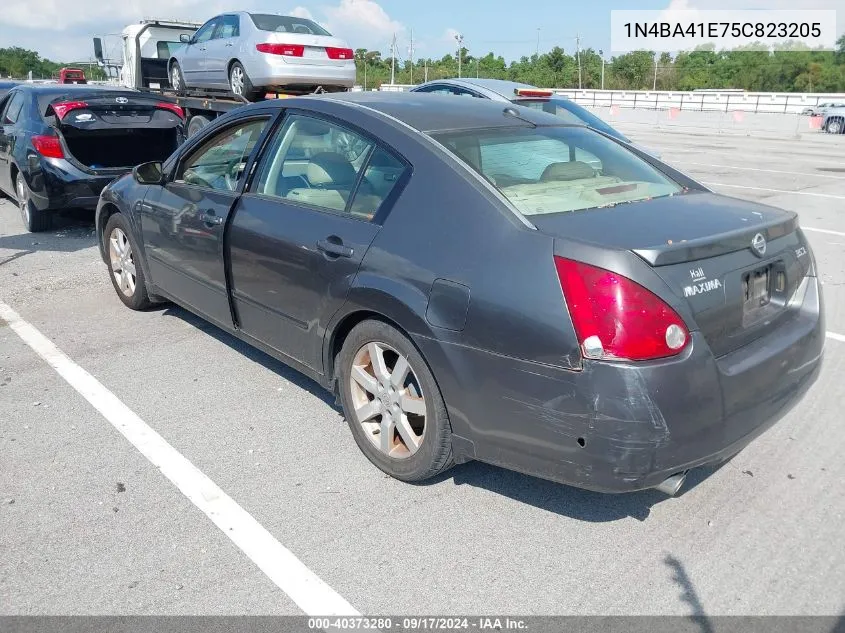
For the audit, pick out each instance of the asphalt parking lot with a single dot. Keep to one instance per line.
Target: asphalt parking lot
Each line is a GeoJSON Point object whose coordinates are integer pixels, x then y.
{"type": "Point", "coordinates": [90, 525]}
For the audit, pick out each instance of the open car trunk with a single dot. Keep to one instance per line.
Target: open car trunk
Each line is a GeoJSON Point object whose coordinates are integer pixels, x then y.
{"type": "Point", "coordinates": [110, 130]}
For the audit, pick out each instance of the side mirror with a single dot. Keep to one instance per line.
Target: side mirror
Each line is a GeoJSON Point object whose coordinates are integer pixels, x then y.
{"type": "Point", "coordinates": [185, 38]}
{"type": "Point", "coordinates": [149, 174]}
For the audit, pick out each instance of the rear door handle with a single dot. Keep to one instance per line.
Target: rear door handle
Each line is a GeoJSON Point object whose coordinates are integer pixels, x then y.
{"type": "Point", "coordinates": [333, 246]}
{"type": "Point", "coordinates": [209, 218]}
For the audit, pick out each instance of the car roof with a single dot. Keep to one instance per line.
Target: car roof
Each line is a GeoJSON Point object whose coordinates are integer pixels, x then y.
{"type": "Point", "coordinates": [432, 112]}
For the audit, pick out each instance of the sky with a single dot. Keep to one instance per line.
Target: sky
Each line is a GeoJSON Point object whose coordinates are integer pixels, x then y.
{"type": "Point", "coordinates": [63, 32]}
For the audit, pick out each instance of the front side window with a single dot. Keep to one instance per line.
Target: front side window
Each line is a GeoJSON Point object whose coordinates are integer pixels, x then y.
{"type": "Point", "coordinates": [324, 165]}
{"type": "Point", "coordinates": [286, 24]}
{"type": "Point", "coordinates": [220, 163]}
{"type": "Point", "coordinates": [558, 169]}
{"type": "Point", "coordinates": [205, 32]}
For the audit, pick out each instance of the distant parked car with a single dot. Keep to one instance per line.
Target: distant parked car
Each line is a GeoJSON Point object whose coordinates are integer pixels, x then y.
{"type": "Point", "coordinates": [61, 144]}
{"type": "Point", "coordinates": [247, 53]}
{"type": "Point", "coordinates": [834, 121]}
{"type": "Point", "coordinates": [822, 108]}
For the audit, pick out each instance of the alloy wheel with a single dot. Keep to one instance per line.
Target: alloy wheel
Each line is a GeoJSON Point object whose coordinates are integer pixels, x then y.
{"type": "Point", "coordinates": [387, 399]}
{"type": "Point", "coordinates": [175, 78]}
{"type": "Point", "coordinates": [834, 127]}
{"type": "Point", "coordinates": [237, 80]}
{"type": "Point", "coordinates": [122, 262]}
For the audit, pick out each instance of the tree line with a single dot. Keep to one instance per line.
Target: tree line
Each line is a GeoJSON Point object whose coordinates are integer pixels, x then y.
{"type": "Point", "coordinates": [785, 69]}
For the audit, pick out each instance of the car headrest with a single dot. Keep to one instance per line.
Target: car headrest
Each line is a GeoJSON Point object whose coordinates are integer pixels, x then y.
{"type": "Point", "coordinates": [329, 168]}
{"type": "Point", "coordinates": [573, 170]}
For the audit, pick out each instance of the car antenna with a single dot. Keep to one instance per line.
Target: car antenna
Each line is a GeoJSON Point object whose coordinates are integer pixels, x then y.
{"type": "Point", "coordinates": [511, 111]}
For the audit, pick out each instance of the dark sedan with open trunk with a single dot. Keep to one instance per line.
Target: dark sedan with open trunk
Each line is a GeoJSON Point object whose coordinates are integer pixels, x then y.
{"type": "Point", "coordinates": [479, 281]}
{"type": "Point", "coordinates": [61, 144]}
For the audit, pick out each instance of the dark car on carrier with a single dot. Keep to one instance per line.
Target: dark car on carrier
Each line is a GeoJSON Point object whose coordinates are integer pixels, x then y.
{"type": "Point", "coordinates": [61, 144]}
{"type": "Point", "coordinates": [481, 281]}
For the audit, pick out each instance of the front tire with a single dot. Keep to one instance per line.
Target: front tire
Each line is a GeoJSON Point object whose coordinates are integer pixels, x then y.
{"type": "Point", "coordinates": [834, 126]}
{"type": "Point", "coordinates": [393, 404]}
{"type": "Point", "coordinates": [125, 271]}
{"type": "Point", "coordinates": [33, 218]}
{"type": "Point", "coordinates": [197, 123]}
{"type": "Point", "coordinates": [239, 82]}
{"type": "Point", "coordinates": [177, 80]}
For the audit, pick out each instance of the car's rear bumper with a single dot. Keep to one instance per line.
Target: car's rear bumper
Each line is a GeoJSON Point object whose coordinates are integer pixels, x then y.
{"type": "Point", "coordinates": [617, 427]}
{"type": "Point", "coordinates": [58, 184]}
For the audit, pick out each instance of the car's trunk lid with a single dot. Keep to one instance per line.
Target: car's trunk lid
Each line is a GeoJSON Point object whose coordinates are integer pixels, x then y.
{"type": "Point", "coordinates": [318, 50]}
{"type": "Point", "coordinates": [702, 246]}
{"type": "Point", "coordinates": [111, 131]}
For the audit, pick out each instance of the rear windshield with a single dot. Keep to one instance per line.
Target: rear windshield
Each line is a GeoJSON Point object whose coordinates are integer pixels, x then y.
{"type": "Point", "coordinates": [286, 24]}
{"type": "Point", "coordinates": [571, 112]}
{"type": "Point", "coordinates": [558, 169]}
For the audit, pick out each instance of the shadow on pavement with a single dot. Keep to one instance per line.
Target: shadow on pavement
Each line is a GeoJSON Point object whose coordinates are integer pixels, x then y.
{"type": "Point", "coordinates": [689, 594]}
{"type": "Point", "coordinates": [73, 230]}
{"type": "Point", "coordinates": [576, 503]}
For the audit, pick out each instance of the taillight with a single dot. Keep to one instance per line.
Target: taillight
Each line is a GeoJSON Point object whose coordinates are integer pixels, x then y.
{"type": "Point", "coordinates": [615, 317]}
{"type": "Point", "coordinates": [288, 50]}
{"type": "Point", "coordinates": [48, 146]}
{"type": "Point", "coordinates": [164, 105]}
{"type": "Point", "coordinates": [339, 53]}
{"type": "Point", "coordinates": [61, 109]}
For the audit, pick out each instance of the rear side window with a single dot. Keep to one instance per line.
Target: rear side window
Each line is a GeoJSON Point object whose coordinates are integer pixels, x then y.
{"type": "Point", "coordinates": [340, 171]}
{"type": "Point", "coordinates": [13, 108]}
{"type": "Point", "coordinates": [558, 169]}
{"type": "Point", "coordinates": [286, 24]}
{"type": "Point", "coordinates": [230, 27]}
{"type": "Point", "coordinates": [220, 162]}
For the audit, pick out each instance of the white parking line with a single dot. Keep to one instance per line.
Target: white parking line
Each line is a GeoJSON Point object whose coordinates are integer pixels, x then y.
{"type": "Point", "coordinates": [768, 171]}
{"type": "Point", "coordinates": [810, 228]}
{"type": "Point", "coordinates": [309, 592]}
{"type": "Point", "coordinates": [797, 193]}
{"type": "Point", "coordinates": [836, 337]}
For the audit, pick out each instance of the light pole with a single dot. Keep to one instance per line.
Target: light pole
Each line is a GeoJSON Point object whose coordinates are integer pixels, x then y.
{"type": "Point", "coordinates": [460, 40]}
{"type": "Point", "coordinates": [537, 52]}
{"type": "Point", "coordinates": [601, 52]}
{"type": "Point", "coordinates": [476, 68]}
{"type": "Point", "coordinates": [578, 54]}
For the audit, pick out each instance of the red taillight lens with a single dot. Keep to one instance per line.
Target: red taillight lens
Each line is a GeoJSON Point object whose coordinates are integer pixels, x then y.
{"type": "Point", "coordinates": [164, 105]}
{"type": "Point", "coordinates": [527, 92]}
{"type": "Point", "coordinates": [288, 50]}
{"type": "Point", "coordinates": [61, 109]}
{"type": "Point", "coordinates": [339, 53]}
{"type": "Point", "coordinates": [48, 146]}
{"type": "Point", "coordinates": [616, 318]}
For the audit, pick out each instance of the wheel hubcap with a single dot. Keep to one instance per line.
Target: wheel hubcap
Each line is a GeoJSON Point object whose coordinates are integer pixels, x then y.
{"type": "Point", "coordinates": [122, 262]}
{"type": "Point", "coordinates": [388, 400]}
{"type": "Point", "coordinates": [175, 77]}
{"type": "Point", "coordinates": [834, 127]}
{"type": "Point", "coordinates": [237, 80]}
{"type": "Point", "coordinates": [23, 200]}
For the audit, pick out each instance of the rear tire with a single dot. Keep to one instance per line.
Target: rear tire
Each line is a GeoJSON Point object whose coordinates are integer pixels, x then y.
{"type": "Point", "coordinates": [197, 123]}
{"type": "Point", "coordinates": [393, 404]}
{"type": "Point", "coordinates": [125, 270]}
{"type": "Point", "coordinates": [239, 82]}
{"type": "Point", "coordinates": [177, 79]}
{"type": "Point", "coordinates": [33, 218]}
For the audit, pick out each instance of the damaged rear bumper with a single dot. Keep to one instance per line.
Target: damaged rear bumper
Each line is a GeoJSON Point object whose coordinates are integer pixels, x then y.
{"type": "Point", "coordinates": [618, 427]}
{"type": "Point", "coordinates": [58, 184]}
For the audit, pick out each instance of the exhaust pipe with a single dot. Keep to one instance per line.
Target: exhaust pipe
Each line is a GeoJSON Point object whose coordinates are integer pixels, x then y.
{"type": "Point", "coordinates": [671, 485]}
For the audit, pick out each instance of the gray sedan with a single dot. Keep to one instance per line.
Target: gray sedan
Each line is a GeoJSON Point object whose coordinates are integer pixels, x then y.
{"type": "Point", "coordinates": [251, 53]}
{"type": "Point", "coordinates": [479, 281]}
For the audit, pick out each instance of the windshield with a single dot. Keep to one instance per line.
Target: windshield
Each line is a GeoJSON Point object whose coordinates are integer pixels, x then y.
{"type": "Point", "coordinates": [286, 24]}
{"type": "Point", "coordinates": [571, 112]}
{"type": "Point", "coordinates": [557, 169]}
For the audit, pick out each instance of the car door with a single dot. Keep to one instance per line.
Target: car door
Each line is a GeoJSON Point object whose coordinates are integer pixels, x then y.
{"type": "Point", "coordinates": [219, 50]}
{"type": "Point", "coordinates": [301, 230]}
{"type": "Point", "coordinates": [183, 222]}
{"type": "Point", "coordinates": [194, 60]}
{"type": "Point", "coordinates": [10, 113]}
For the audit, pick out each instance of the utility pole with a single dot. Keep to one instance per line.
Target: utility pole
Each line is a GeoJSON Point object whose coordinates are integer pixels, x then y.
{"type": "Point", "coordinates": [460, 40]}
{"type": "Point", "coordinates": [411, 56]}
{"type": "Point", "coordinates": [365, 73]}
{"type": "Point", "coordinates": [601, 52]}
{"type": "Point", "coordinates": [425, 76]}
{"type": "Point", "coordinates": [393, 61]}
{"type": "Point", "coordinates": [654, 87]}
{"type": "Point", "coordinates": [578, 54]}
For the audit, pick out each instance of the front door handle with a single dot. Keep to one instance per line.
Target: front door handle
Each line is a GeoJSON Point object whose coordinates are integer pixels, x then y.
{"type": "Point", "coordinates": [209, 218]}
{"type": "Point", "coordinates": [229, 44]}
{"type": "Point", "coordinates": [333, 246]}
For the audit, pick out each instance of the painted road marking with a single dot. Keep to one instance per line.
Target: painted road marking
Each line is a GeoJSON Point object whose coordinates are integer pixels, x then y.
{"type": "Point", "coordinates": [810, 228]}
{"type": "Point", "coordinates": [769, 171]}
{"type": "Point", "coordinates": [303, 586]}
{"type": "Point", "coordinates": [797, 193]}
{"type": "Point", "coordinates": [836, 337]}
